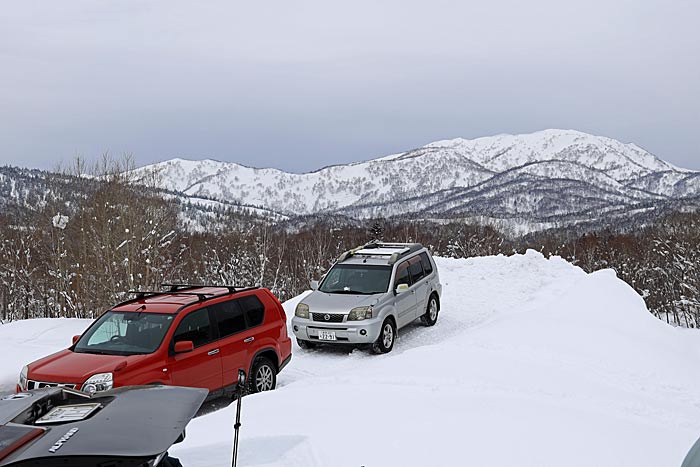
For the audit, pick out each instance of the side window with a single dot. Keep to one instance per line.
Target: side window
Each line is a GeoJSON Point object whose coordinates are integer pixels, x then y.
{"type": "Point", "coordinates": [402, 276]}
{"type": "Point", "coordinates": [427, 265]}
{"type": "Point", "coordinates": [415, 269]}
{"type": "Point", "coordinates": [254, 310]}
{"type": "Point", "coordinates": [229, 317]}
{"type": "Point", "coordinates": [194, 327]}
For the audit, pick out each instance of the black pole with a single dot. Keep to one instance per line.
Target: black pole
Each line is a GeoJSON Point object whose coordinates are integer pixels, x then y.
{"type": "Point", "coordinates": [240, 390]}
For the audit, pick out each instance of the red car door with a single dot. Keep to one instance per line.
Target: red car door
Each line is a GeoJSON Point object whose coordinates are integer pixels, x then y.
{"type": "Point", "coordinates": [235, 339]}
{"type": "Point", "coordinates": [202, 367]}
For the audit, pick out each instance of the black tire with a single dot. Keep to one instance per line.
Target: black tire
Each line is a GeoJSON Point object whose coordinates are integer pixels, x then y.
{"type": "Point", "coordinates": [169, 462]}
{"type": "Point", "coordinates": [306, 345]}
{"type": "Point", "coordinates": [387, 337]}
{"type": "Point", "coordinates": [429, 318]}
{"type": "Point", "coordinates": [263, 376]}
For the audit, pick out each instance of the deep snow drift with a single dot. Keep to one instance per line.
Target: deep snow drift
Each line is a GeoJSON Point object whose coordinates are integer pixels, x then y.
{"type": "Point", "coordinates": [532, 363]}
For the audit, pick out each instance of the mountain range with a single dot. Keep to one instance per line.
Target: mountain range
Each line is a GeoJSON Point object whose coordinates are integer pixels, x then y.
{"type": "Point", "coordinates": [528, 182]}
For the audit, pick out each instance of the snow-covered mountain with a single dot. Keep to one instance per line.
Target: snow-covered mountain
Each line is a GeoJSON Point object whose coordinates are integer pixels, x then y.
{"type": "Point", "coordinates": [547, 177]}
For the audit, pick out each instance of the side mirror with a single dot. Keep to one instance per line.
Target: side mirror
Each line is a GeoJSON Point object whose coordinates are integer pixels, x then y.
{"type": "Point", "coordinates": [314, 285]}
{"type": "Point", "coordinates": [76, 339]}
{"type": "Point", "coordinates": [401, 288]}
{"type": "Point", "coordinates": [184, 346]}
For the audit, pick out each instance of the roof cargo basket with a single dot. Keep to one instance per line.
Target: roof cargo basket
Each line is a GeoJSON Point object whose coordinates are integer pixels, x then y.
{"type": "Point", "coordinates": [377, 248]}
{"type": "Point", "coordinates": [185, 289]}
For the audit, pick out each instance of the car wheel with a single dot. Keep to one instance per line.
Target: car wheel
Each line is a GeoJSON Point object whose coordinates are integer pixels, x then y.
{"type": "Point", "coordinates": [263, 376]}
{"type": "Point", "coordinates": [387, 337]}
{"type": "Point", "coordinates": [431, 312]}
{"type": "Point", "coordinates": [306, 345]}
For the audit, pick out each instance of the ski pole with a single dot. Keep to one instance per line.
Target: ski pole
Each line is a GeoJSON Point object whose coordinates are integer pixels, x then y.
{"type": "Point", "coordinates": [241, 385]}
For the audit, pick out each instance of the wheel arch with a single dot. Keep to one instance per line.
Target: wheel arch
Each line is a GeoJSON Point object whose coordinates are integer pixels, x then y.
{"type": "Point", "coordinates": [389, 312]}
{"type": "Point", "coordinates": [435, 294]}
{"type": "Point", "coordinates": [269, 353]}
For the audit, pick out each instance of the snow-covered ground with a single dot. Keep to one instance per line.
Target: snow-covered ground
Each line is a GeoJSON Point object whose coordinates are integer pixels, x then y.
{"type": "Point", "coordinates": [532, 363]}
{"type": "Point", "coordinates": [22, 342]}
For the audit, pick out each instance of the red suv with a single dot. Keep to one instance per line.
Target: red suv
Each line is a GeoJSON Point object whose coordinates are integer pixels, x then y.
{"type": "Point", "coordinates": [197, 336]}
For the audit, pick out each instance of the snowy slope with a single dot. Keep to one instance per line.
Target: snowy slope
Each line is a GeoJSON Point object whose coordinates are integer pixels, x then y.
{"type": "Point", "coordinates": [532, 363]}
{"type": "Point", "coordinates": [604, 172]}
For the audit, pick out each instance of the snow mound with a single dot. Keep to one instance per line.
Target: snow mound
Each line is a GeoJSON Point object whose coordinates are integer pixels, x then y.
{"type": "Point", "coordinates": [532, 363]}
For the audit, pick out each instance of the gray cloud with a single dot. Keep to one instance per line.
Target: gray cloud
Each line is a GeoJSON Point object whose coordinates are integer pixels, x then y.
{"type": "Point", "coordinates": [298, 85]}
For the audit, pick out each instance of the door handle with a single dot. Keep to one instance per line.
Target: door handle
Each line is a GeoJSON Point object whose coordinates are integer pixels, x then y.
{"type": "Point", "coordinates": [213, 352]}
{"type": "Point", "coordinates": [249, 339]}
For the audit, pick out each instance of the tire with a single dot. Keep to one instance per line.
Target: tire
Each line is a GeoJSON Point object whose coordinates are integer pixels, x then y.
{"type": "Point", "coordinates": [387, 337]}
{"type": "Point", "coordinates": [429, 318]}
{"type": "Point", "coordinates": [263, 376]}
{"type": "Point", "coordinates": [306, 345]}
{"type": "Point", "coordinates": [169, 462]}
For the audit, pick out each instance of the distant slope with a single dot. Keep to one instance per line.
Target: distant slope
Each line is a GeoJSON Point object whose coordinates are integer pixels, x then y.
{"type": "Point", "coordinates": [552, 175]}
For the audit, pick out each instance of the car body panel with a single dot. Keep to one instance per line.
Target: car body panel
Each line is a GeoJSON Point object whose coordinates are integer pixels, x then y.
{"type": "Point", "coordinates": [131, 426]}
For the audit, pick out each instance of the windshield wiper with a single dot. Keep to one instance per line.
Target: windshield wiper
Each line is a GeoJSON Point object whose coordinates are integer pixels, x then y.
{"type": "Point", "coordinates": [350, 292]}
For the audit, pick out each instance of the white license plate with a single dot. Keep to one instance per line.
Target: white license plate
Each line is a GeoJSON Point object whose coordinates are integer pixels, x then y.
{"type": "Point", "coordinates": [326, 335]}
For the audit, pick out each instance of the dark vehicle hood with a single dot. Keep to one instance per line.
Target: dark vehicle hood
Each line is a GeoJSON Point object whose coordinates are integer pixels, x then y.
{"type": "Point", "coordinates": [67, 366]}
{"type": "Point", "coordinates": [134, 422]}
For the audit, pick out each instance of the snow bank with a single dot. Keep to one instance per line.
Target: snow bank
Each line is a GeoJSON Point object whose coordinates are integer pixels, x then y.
{"type": "Point", "coordinates": [22, 342]}
{"type": "Point", "coordinates": [532, 363]}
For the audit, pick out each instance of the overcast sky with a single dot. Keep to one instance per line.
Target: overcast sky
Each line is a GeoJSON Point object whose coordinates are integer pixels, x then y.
{"type": "Point", "coordinates": [302, 84]}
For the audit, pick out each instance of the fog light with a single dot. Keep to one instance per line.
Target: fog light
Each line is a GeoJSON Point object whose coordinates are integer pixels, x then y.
{"type": "Point", "coordinates": [363, 332]}
{"type": "Point", "coordinates": [296, 328]}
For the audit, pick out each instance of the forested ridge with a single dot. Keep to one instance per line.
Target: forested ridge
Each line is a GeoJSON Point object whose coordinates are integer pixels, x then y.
{"type": "Point", "coordinates": [81, 246]}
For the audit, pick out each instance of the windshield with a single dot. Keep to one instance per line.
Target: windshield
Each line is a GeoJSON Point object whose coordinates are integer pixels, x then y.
{"type": "Point", "coordinates": [361, 279]}
{"type": "Point", "coordinates": [125, 333]}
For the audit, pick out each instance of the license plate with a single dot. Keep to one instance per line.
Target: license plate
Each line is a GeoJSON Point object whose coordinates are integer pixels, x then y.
{"type": "Point", "coordinates": [326, 335]}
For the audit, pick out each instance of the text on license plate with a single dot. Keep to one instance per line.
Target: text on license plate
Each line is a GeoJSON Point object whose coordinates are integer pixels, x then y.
{"type": "Point", "coordinates": [326, 335]}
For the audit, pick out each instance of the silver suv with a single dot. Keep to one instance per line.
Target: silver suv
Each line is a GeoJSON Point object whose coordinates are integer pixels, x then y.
{"type": "Point", "coordinates": [368, 294]}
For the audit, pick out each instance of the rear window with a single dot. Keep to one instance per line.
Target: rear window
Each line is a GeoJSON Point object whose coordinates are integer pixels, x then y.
{"type": "Point", "coordinates": [13, 437]}
{"type": "Point", "coordinates": [427, 265]}
{"type": "Point", "coordinates": [229, 317]}
{"type": "Point", "coordinates": [416, 269]}
{"type": "Point", "coordinates": [254, 310]}
{"type": "Point", "coordinates": [237, 315]}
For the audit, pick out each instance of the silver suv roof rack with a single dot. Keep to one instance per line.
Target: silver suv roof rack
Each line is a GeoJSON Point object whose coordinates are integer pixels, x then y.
{"type": "Point", "coordinates": [375, 248]}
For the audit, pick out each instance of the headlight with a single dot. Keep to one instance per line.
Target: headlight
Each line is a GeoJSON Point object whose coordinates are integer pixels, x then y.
{"type": "Point", "coordinates": [302, 311]}
{"type": "Point", "coordinates": [23, 378]}
{"type": "Point", "coordinates": [360, 313]}
{"type": "Point", "coordinates": [98, 383]}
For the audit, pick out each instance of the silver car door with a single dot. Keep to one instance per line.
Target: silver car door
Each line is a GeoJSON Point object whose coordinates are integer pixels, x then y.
{"type": "Point", "coordinates": [420, 285]}
{"type": "Point", "coordinates": [405, 302]}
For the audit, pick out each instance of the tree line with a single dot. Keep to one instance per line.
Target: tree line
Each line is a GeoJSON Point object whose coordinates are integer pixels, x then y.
{"type": "Point", "coordinates": [77, 257]}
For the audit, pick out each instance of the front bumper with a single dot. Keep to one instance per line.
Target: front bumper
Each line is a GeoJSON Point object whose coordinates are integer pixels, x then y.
{"type": "Point", "coordinates": [350, 332]}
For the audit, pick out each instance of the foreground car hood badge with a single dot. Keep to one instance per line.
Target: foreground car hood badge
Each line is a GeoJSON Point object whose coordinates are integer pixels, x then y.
{"type": "Point", "coordinates": [63, 440]}
{"type": "Point", "coordinates": [327, 317]}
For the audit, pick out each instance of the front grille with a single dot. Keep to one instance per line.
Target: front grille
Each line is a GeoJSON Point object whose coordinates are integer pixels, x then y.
{"type": "Point", "coordinates": [328, 317]}
{"type": "Point", "coordinates": [31, 384]}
